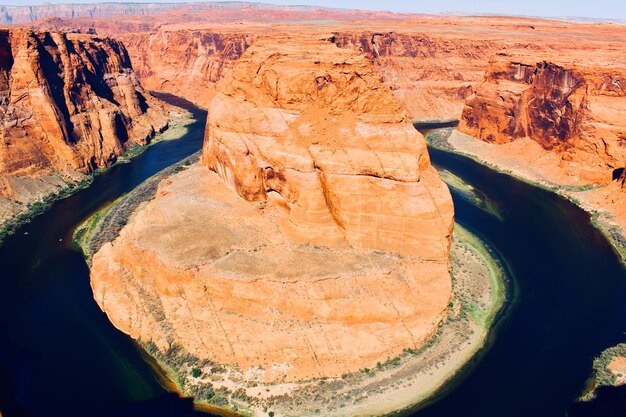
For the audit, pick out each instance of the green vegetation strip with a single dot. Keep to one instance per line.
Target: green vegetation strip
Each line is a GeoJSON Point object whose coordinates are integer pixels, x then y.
{"type": "Point", "coordinates": [497, 278]}
{"type": "Point", "coordinates": [38, 207]}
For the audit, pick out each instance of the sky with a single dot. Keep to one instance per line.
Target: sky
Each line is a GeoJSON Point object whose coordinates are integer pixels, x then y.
{"type": "Point", "coordinates": [607, 9]}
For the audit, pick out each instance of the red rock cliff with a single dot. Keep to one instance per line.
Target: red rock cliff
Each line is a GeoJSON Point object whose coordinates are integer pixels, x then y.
{"type": "Point", "coordinates": [570, 110]}
{"type": "Point", "coordinates": [185, 62]}
{"type": "Point", "coordinates": [69, 104]}
{"type": "Point", "coordinates": [322, 135]}
{"type": "Point", "coordinates": [431, 75]}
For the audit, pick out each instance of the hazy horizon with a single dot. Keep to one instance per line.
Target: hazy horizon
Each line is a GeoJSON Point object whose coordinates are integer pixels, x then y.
{"type": "Point", "coordinates": [601, 9]}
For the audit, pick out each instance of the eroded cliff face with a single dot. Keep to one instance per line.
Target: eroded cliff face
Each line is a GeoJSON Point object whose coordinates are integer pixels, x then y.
{"type": "Point", "coordinates": [430, 75]}
{"type": "Point", "coordinates": [69, 104]}
{"type": "Point", "coordinates": [327, 139]}
{"type": "Point", "coordinates": [574, 112]}
{"type": "Point", "coordinates": [313, 241]}
{"type": "Point", "coordinates": [185, 62]}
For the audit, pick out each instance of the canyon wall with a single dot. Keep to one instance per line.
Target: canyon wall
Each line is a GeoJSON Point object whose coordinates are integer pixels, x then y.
{"type": "Point", "coordinates": [430, 64]}
{"type": "Point", "coordinates": [577, 112]}
{"type": "Point", "coordinates": [185, 62]}
{"type": "Point", "coordinates": [69, 104]}
{"type": "Point", "coordinates": [313, 241]}
{"type": "Point", "coordinates": [431, 75]}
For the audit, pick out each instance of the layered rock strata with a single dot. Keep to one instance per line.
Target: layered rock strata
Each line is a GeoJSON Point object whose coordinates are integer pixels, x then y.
{"type": "Point", "coordinates": [560, 124]}
{"type": "Point", "coordinates": [185, 62]}
{"type": "Point", "coordinates": [313, 242]}
{"type": "Point", "coordinates": [431, 75]}
{"type": "Point", "coordinates": [69, 104]}
{"type": "Point", "coordinates": [573, 111]}
{"type": "Point", "coordinates": [325, 138]}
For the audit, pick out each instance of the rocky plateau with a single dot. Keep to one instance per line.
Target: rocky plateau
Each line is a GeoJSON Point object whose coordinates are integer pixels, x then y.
{"type": "Point", "coordinates": [521, 86]}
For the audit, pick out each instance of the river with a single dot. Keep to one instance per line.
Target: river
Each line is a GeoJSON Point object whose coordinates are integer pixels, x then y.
{"type": "Point", "coordinates": [567, 303]}
{"type": "Point", "coordinates": [60, 356]}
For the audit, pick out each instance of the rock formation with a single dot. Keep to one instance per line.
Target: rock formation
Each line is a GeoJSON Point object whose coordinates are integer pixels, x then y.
{"type": "Point", "coordinates": [431, 64]}
{"type": "Point", "coordinates": [69, 104]}
{"type": "Point", "coordinates": [327, 143]}
{"type": "Point", "coordinates": [184, 62]}
{"type": "Point", "coordinates": [574, 111]}
{"type": "Point", "coordinates": [561, 123]}
{"type": "Point", "coordinates": [431, 75]}
{"type": "Point", "coordinates": [314, 241]}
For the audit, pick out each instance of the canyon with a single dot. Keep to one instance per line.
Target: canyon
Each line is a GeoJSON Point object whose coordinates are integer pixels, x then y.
{"type": "Point", "coordinates": [538, 105]}
{"type": "Point", "coordinates": [560, 123]}
{"type": "Point", "coordinates": [70, 104]}
{"type": "Point", "coordinates": [572, 110]}
{"type": "Point", "coordinates": [312, 242]}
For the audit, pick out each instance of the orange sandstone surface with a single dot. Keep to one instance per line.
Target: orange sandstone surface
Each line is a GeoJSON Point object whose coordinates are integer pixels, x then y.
{"type": "Point", "coordinates": [575, 111]}
{"type": "Point", "coordinates": [185, 62]}
{"type": "Point", "coordinates": [313, 240]}
{"type": "Point", "coordinates": [311, 127]}
{"type": "Point", "coordinates": [69, 104]}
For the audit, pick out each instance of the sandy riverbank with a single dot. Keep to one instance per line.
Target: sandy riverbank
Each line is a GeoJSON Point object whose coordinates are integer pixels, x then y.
{"type": "Point", "coordinates": [520, 160]}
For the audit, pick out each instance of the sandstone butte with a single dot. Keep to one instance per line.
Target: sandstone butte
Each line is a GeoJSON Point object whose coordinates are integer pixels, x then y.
{"type": "Point", "coordinates": [69, 104]}
{"type": "Point", "coordinates": [312, 242]}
